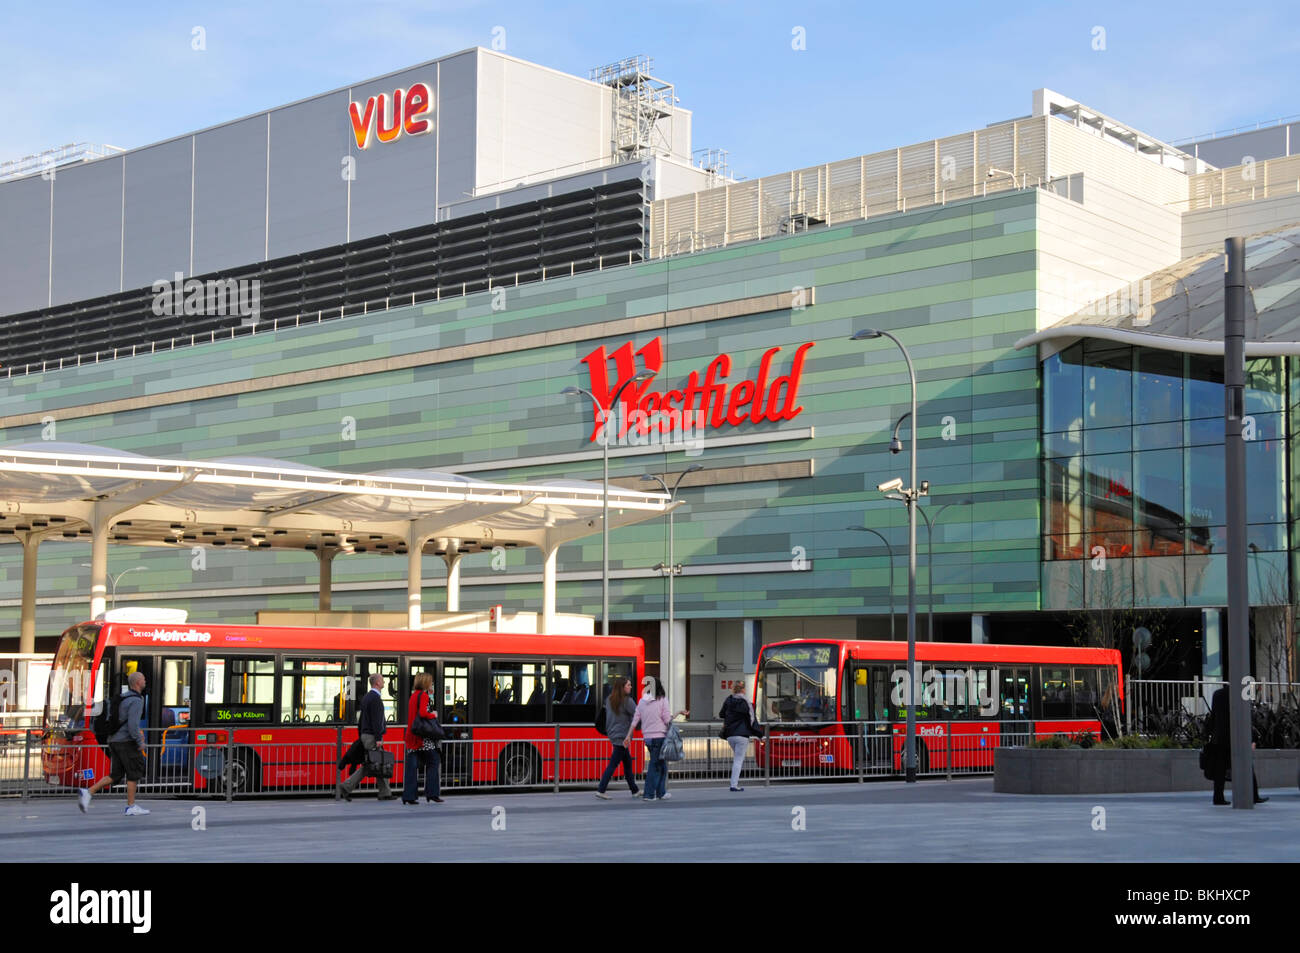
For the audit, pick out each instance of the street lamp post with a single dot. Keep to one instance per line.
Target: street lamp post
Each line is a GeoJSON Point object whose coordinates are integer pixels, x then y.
{"type": "Point", "coordinates": [603, 415]}
{"type": "Point", "coordinates": [909, 496]}
{"type": "Point", "coordinates": [866, 529]}
{"type": "Point", "coordinates": [115, 579]}
{"type": "Point", "coordinates": [672, 568]}
{"type": "Point", "coordinates": [929, 554]}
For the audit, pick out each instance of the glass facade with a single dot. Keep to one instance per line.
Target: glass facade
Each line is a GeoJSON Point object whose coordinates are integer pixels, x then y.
{"type": "Point", "coordinates": [1133, 472]}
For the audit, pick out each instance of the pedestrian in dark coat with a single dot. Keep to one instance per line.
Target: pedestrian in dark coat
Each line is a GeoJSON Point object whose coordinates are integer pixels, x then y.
{"type": "Point", "coordinates": [1218, 726]}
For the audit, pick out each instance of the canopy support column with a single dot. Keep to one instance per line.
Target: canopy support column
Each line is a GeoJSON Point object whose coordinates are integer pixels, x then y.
{"type": "Point", "coordinates": [452, 559]}
{"type": "Point", "coordinates": [27, 629]}
{"type": "Point", "coordinates": [99, 528]}
{"type": "Point", "coordinates": [414, 584]}
{"type": "Point", "coordinates": [548, 589]}
{"type": "Point", "coordinates": [326, 559]}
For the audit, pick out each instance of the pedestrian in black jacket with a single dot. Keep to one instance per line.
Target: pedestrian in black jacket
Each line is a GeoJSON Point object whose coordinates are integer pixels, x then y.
{"type": "Point", "coordinates": [371, 727]}
{"type": "Point", "coordinates": [1218, 726]}
{"type": "Point", "coordinates": [738, 726]}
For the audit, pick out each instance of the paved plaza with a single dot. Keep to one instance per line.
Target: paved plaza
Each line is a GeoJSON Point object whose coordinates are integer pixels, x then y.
{"type": "Point", "coordinates": [887, 821]}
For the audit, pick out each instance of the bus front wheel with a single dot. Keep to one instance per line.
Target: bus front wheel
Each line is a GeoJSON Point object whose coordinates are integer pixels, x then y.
{"type": "Point", "coordinates": [243, 774]}
{"type": "Point", "coordinates": [519, 765]}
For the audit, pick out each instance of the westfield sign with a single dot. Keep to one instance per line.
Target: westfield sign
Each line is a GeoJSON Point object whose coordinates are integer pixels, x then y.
{"type": "Point", "coordinates": [708, 401]}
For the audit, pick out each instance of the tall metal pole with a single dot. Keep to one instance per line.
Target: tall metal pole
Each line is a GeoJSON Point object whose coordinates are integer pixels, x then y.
{"type": "Point", "coordinates": [893, 634]}
{"type": "Point", "coordinates": [604, 523]}
{"type": "Point", "coordinates": [603, 416]}
{"type": "Point", "coordinates": [1234, 456]}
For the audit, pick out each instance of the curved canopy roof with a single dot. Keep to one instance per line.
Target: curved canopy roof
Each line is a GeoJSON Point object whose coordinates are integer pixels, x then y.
{"type": "Point", "coordinates": [1184, 308]}
{"type": "Point", "coordinates": [253, 503]}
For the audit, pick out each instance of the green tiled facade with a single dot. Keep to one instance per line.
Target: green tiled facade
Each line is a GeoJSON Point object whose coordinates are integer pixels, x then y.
{"type": "Point", "coordinates": [956, 283]}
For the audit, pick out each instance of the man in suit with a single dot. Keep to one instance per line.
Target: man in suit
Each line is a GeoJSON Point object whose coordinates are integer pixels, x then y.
{"type": "Point", "coordinates": [371, 727]}
{"type": "Point", "coordinates": [1218, 726]}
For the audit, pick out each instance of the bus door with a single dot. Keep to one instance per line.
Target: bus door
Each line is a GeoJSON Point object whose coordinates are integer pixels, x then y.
{"type": "Point", "coordinates": [1016, 726]}
{"type": "Point", "coordinates": [394, 701]}
{"type": "Point", "coordinates": [867, 701]}
{"type": "Point", "coordinates": [166, 722]}
{"type": "Point", "coordinates": [451, 700]}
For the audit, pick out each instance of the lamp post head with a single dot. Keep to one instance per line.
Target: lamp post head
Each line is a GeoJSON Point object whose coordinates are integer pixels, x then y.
{"type": "Point", "coordinates": [694, 467]}
{"type": "Point", "coordinates": [868, 334]}
{"type": "Point", "coordinates": [570, 392]}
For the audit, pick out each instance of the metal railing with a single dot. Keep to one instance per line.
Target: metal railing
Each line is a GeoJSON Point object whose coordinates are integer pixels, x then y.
{"type": "Point", "coordinates": [212, 763]}
{"type": "Point", "coordinates": [1163, 706]}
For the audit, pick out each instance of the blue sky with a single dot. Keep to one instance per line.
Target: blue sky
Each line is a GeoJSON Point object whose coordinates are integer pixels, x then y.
{"type": "Point", "coordinates": [872, 76]}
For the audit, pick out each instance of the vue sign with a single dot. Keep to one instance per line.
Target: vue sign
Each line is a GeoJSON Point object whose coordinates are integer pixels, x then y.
{"type": "Point", "coordinates": [389, 117]}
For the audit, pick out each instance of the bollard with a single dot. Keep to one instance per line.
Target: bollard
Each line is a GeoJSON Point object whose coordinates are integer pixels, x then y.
{"type": "Point", "coordinates": [338, 756]}
{"type": "Point", "coordinates": [27, 759]}
{"type": "Point", "coordinates": [230, 755]}
{"type": "Point", "coordinates": [556, 759]}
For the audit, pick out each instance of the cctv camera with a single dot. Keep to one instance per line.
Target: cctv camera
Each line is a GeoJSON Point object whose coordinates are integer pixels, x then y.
{"type": "Point", "coordinates": [891, 486]}
{"type": "Point", "coordinates": [925, 487]}
{"type": "Point", "coordinates": [895, 446]}
{"type": "Point", "coordinates": [990, 173]}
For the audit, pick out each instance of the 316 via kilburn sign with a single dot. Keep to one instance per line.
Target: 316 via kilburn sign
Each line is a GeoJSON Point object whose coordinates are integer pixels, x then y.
{"type": "Point", "coordinates": [708, 401]}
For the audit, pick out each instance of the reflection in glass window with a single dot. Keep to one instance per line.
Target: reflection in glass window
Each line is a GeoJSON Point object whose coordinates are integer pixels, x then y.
{"type": "Point", "coordinates": [238, 680]}
{"type": "Point", "coordinates": [1058, 701]}
{"type": "Point", "coordinates": [1159, 386]}
{"type": "Point", "coordinates": [1086, 694]}
{"type": "Point", "coordinates": [1107, 384]}
{"type": "Point", "coordinates": [455, 692]}
{"type": "Point", "coordinates": [313, 691]}
{"type": "Point", "coordinates": [579, 697]}
{"type": "Point", "coordinates": [1064, 513]}
{"type": "Point", "coordinates": [1264, 482]}
{"type": "Point", "coordinates": [1205, 387]}
{"type": "Point", "coordinates": [797, 683]}
{"type": "Point", "coordinates": [1063, 390]}
{"type": "Point", "coordinates": [1206, 498]}
{"type": "Point", "coordinates": [519, 691]}
{"type": "Point", "coordinates": [1159, 502]}
{"type": "Point", "coordinates": [1263, 385]}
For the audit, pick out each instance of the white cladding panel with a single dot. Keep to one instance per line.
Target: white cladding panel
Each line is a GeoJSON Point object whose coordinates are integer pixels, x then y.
{"type": "Point", "coordinates": [156, 230]}
{"type": "Point", "coordinates": [394, 187]}
{"type": "Point", "coordinates": [25, 244]}
{"type": "Point", "coordinates": [229, 196]}
{"type": "Point", "coordinates": [457, 119]}
{"type": "Point", "coordinates": [532, 119]}
{"type": "Point", "coordinates": [87, 260]}
{"type": "Point", "coordinates": [308, 193]}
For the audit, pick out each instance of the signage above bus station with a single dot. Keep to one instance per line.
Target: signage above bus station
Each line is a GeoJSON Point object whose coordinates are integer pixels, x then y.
{"type": "Point", "coordinates": [390, 117]}
{"type": "Point", "coordinates": [709, 401]}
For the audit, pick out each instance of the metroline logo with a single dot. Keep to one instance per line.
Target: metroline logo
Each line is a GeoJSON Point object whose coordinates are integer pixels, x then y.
{"type": "Point", "coordinates": [390, 117]}
{"type": "Point", "coordinates": [710, 402]}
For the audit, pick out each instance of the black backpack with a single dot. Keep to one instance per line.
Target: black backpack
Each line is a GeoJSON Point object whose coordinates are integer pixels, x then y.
{"type": "Point", "coordinates": [600, 721]}
{"type": "Point", "coordinates": [108, 721]}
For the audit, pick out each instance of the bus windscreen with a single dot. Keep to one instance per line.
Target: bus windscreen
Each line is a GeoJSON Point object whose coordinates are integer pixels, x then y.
{"type": "Point", "coordinates": [797, 683]}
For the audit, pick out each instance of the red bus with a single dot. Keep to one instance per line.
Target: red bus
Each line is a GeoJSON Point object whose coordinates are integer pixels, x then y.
{"type": "Point", "coordinates": [970, 698]}
{"type": "Point", "coordinates": [253, 707]}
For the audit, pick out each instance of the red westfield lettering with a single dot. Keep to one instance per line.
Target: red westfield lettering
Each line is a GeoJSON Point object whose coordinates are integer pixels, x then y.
{"type": "Point", "coordinates": [709, 399]}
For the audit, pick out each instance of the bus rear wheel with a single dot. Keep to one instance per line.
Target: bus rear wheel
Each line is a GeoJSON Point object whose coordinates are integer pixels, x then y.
{"type": "Point", "coordinates": [519, 765]}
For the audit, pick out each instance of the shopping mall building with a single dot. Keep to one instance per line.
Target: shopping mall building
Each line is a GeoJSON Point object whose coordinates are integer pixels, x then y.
{"type": "Point", "coordinates": [405, 275]}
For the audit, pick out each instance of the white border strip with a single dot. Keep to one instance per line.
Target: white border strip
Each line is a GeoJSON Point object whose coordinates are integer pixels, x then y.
{"type": "Point", "coordinates": [507, 579]}
{"type": "Point", "coordinates": [688, 447]}
{"type": "Point", "coordinates": [1165, 342]}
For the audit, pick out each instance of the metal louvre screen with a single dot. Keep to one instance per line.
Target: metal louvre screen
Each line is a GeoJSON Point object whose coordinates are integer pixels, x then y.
{"type": "Point", "coordinates": [927, 173]}
{"type": "Point", "coordinates": [562, 234]}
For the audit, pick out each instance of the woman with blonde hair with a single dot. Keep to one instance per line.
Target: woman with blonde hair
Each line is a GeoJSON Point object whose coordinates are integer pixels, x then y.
{"type": "Point", "coordinates": [421, 750]}
{"type": "Point", "coordinates": [738, 726]}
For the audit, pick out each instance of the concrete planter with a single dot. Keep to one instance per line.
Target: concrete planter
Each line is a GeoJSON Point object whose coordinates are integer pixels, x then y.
{"type": "Point", "coordinates": [1123, 771]}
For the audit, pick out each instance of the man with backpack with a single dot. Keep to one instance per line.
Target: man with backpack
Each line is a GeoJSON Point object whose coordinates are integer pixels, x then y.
{"type": "Point", "coordinates": [126, 747]}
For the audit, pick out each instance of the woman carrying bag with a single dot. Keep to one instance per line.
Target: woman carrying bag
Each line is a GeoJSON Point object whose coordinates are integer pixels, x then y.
{"type": "Point", "coordinates": [421, 748]}
{"type": "Point", "coordinates": [738, 726]}
{"type": "Point", "coordinates": [654, 715]}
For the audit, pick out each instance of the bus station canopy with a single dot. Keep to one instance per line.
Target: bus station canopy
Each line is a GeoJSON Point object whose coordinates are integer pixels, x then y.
{"type": "Point", "coordinates": [75, 491]}
{"type": "Point", "coordinates": [1180, 308]}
